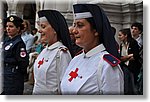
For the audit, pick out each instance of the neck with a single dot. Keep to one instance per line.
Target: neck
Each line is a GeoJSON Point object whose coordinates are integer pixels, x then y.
{"type": "Point", "coordinates": [89, 47]}
{"type": "Point", "coordinates": [136, 36]}
{"type": "Point", "coordinates": [13, 36]}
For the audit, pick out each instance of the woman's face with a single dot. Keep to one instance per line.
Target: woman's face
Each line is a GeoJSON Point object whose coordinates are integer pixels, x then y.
{"type": "Point", "coordinates": [47, 33]}
{"type": "Point", "coordinates": [25, 26]}
{"type": "Point", "coordinates": [11, 29]}
{"type": "Point", "coordinates": [85, 36]}
{"type": "Point", "coordinates": [122, 37]}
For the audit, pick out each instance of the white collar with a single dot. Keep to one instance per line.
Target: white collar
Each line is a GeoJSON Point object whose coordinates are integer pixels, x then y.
{"type": "Point", "coordinates": [94, 51]}
{"type": "Point", "coordinates": [55, 45]}
{"type": "Point", "coordinates": [138, 38]}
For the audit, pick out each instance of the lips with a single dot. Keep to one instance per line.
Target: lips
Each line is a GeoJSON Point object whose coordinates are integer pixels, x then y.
{"type": "Point", "coordinates": [8, 32]}
{"type": "Point", "coordinates": [76, 37]}
{"type": "Point", "coordinates": [42, 34]}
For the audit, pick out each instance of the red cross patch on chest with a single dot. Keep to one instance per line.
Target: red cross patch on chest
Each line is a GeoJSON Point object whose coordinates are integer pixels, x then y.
{"type": "Point", "coordinates": [40, 62]}
{"type": "Point", "coordinates": [74, 74]}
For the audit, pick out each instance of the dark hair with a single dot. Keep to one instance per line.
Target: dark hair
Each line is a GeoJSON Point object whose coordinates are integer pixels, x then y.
{"type": "Point", "coordinates": [127, 32]}
{"type": "Point", "coordinates": [113, 30]}
{"type": "Point", "coordinates": [17, 21]}
{"type": "Point", "coordinates": [139, 25]}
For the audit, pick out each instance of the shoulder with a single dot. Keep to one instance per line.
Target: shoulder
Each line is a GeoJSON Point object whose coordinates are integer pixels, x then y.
{"type": "Point", "coordinates": [112, 60]}
{"type": "Point", "coordinates": [31, 36]}
{"type": "Point", "coordinates": [64, 54]}
{"type": "Point", "coordinates": [63, 49]}
{"type": "Point", "coordinates": [133, 41]}
{"type": "Point", "coordinates": [134, 44]}
{"type": "Point", "coordinates": [18, 40]}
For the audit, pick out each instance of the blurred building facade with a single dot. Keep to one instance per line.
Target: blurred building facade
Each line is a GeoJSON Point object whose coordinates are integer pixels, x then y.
{"type": "Point", "coordinates": [121, 13]}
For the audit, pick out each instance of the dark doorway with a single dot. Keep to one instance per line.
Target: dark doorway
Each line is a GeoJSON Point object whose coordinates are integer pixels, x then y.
{"type": "Point", "coordinates": [29, 13]}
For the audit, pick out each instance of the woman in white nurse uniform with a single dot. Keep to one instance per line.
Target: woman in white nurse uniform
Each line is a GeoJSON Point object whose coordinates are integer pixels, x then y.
{"type": "Point", "coordinates": [52, 62]}
{"type": "Point", "coordinates": [96, 70]}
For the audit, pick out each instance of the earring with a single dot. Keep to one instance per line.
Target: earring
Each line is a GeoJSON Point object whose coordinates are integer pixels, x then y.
{"type": "Point", "coordinates": [96, 34]}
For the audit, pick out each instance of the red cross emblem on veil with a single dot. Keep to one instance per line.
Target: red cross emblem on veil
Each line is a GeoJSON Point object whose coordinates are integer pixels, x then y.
{"type": "Point", "coordinates": [73, 74]}
{"type": "Point", "coordinates": [40, 62]}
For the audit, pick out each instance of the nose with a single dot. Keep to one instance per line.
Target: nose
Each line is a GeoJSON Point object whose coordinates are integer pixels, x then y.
{"type": "Point", "coordinates": [7, 28]}
{"type": "Point", "coordinates": [75, 31]}
{"type": "Point", "coordinates": [40, 31]}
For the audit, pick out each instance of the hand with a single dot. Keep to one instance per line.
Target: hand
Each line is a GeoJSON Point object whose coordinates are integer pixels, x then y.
{"type": "Point", "coordinates": [130, 55]}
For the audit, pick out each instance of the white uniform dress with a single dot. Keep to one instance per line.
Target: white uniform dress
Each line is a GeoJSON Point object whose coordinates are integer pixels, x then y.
{"type": "Point", "coordinates": [90, 74]}
{"type": "Point", "coordinates": [49, 68]}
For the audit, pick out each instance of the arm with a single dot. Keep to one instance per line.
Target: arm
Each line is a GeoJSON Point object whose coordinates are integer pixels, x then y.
{"type": "Point", "coordinates": [127, 57]}
{"type": "Point", "coordinates": [62, 61]}
{"type": "Point", "coordinates": [21, 57]}
{"type": "Point", "coordinates": [112, 80]}
{"type": "Point", "coordinates": [134, 49]}
{"type": "Point", "coordinates": [65, 59]}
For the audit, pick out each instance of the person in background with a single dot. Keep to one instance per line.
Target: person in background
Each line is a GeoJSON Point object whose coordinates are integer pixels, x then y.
{"type": "Point", "coordinates": [129, 53]}
{"type": "Point", "coordinates": [3, 36]}
{"type": "Point", "coordinates": [1, 55]}
{"type": "Point", "coordinates": [28, 39]}
{"type": "Point", "coordinates": [137, 33]}
{"type": "Point", "coordinates": [26, 36]}
{"type": "Point", "coordinates": [76, 48]}
{"type": "Point", "coordinates": [96, 70]}
{"type": "Point", "coordinates": [37, 35]}
{"type": "Point", "coordinates": [52, 62]}
{"type": "Point", "coordinates": [16, 58]}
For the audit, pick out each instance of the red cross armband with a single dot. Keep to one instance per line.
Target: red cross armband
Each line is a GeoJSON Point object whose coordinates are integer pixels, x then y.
{"type": "Point", "coordinates": [112, 60]}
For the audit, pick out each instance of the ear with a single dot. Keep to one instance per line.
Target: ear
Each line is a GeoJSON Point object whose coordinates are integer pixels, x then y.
{"type": "Point", "coordinates": [95, 33]}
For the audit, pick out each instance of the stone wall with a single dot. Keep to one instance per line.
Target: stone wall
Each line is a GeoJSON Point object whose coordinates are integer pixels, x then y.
{"type": "Point", "coordinates": [121, 14]}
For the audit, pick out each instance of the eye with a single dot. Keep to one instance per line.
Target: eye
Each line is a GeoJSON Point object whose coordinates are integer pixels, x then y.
{"type": "Point", "coordinates": [42, 26]}
{"type": "Point", "coordinates": [80, 25]}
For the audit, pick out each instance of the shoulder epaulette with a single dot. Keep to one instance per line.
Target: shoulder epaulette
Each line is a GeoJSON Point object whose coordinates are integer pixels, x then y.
{"type": "Point", "coordinates": [64, 49]}
{"type": "Point", "coordinates": [112, 60]}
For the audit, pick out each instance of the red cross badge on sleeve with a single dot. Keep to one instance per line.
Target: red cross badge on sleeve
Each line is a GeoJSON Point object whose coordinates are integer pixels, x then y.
{"type": "Point", "coordinates": [74, 74]}
{"type": "Point", "coordinates": [23, 53]}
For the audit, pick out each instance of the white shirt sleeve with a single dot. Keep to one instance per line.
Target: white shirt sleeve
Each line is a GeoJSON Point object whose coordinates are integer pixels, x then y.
{"type": "Point", "coordinates": [65, 59]}
{"type": "Point", "coordinates": [112, 80]}
{"type": "Point", "coordinates": [29, 43]}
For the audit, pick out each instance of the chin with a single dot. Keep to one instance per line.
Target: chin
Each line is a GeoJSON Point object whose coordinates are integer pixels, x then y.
{"type": "Point", "coordinates": [79, 44]}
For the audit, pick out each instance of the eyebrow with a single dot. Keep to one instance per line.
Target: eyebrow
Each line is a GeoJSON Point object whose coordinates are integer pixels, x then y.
{"type": "Point", "coordinates": [78, 22]}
